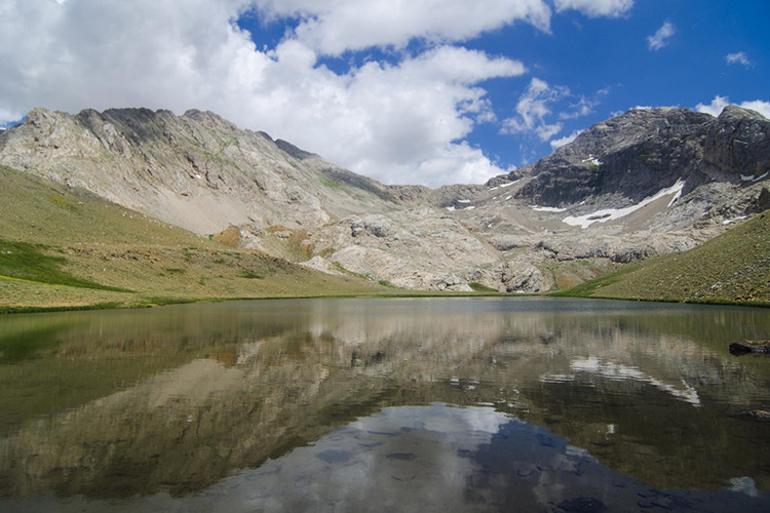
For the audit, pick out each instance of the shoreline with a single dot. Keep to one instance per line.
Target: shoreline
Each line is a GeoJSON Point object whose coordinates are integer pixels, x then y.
{"type": "Point", "coordinates": [159, 302]}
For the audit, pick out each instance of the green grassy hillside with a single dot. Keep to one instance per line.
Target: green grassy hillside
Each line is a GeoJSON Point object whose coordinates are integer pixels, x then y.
{"type": "Point", "coordinates": [65, 248]}
{"type": "Point", "coordinates": [731, 268]}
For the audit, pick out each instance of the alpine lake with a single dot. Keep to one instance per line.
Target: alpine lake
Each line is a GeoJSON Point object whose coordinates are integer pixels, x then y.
{"type": "Point", "coordinates": [404, 405]}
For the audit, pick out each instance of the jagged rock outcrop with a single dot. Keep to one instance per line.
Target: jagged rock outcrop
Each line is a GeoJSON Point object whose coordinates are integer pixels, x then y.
{"type": "Point", "coordinates": [644, 150]}
{"type": "Point", "coordinates": [738, 143]}
{"type": "Point", "coordinates": [648, 182]}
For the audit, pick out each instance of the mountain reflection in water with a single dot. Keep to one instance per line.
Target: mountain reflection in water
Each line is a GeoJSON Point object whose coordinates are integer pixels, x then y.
{"type": "Point", "coordinates": [352, 405]}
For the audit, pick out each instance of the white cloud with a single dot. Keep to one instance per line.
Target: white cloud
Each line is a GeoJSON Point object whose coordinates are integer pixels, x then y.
{"type": "Point", "coordinates": [738, 58]}
{"type": "Point", "coordinates": [662, 36]}
{"type": "Point", "coordinates": [532, 109]}
{"type": "Point", "coordinates": [563, 141]}
{"type": "Point", "coordinates": [760, 106]}
{"type": "Point", "coordinates": [579, 109]}
{"type": "Point", "coordinates": [403, 122]}
{"type": "Point", "coordinates": [334, 26]}
{"type": "Point", "coordinates": [8, 116]}
{"type": "Point", "coordinates": [720, 102]}
{"type": "Point", "coordinates": [596, 8]}
{"type": "Point", "coordinates": [715, 107]}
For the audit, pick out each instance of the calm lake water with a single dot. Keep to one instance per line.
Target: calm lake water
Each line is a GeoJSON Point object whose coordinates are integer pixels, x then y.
{"type": "Point", "coordinates": [354, 405]}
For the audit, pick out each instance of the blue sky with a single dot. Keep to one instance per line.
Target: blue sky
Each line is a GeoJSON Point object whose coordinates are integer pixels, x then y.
{"type": "Point", "coordinates": [405, 91]}
{"type": "Point", "coordinates": [604, 61]}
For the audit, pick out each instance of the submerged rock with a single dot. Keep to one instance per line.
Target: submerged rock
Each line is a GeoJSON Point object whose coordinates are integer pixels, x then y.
{"type": "Point", "coordinates": [762, 415]}
{"type": "Point", "coordinates": [739, 348]}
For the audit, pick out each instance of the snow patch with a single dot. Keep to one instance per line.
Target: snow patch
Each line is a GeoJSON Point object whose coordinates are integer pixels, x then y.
{"type": "Point", "coordinates": [548, 209]}
{"type": "Point", "coordinates": [752, 178]}
{"type": "Point", "coordinates": [592, 160]}
{"type": "Point", "coordinates": [451, 209]}
{"type": "Point", "coordinates": [676, 196]}
{"type": "Point", "coordinates": [504, 185]}
{"type": "Point", "coordinates": [610, 214]}
{"type": "Point", "coordinates": [734, 220]}
{"type": "Point", "coordinates": [508, 197]}
{"type": "Point", "coordinates": [469, 208]}
{"type": "Point", "coordinates": [463, 201]}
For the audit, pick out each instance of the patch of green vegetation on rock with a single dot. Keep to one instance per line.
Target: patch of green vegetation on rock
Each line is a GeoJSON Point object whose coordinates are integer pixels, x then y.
{"type": "Point", "coordinates": [588, 288]}
{"type": "Point", "coordinates": [251, 275]}
{"type": "Point", "coordinates": [62, 201]}
{"type": "Point", "coordinates": [478, 287]}
{"type": "Point", "coordinates": [328, 182]}
{"type": "Point", "coordinates": [28, 262]}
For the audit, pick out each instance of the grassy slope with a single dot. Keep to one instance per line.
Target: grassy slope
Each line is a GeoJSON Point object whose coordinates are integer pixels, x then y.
{"type": "Point", "coordinates": [731, 268]}
{"type": "Point", "coordinates": [65, 248]}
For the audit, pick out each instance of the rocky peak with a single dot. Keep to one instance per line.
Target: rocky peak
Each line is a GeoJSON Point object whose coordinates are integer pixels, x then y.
{"type": "Point", "coordinates": [644, 150]}
{"type": "Point", "coordinates": [737, 144]}
{"type": "Point", "coordinates": [197, 170]}
{"type": "Point", "coordinates": [633, 128]}
{"type": "Point", "coordinates": [736, 113]}
{"type": "Point", "coordinates": [294, 151]}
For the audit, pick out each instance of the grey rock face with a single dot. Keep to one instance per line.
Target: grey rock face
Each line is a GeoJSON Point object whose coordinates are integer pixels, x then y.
{"type": "Point", "coordinates": [738, 143]}
{"type": "Point", "coordinates": [375, 225]}
{"type": "Point", "coordinates": [605, 198]}
{"type": "Point", "coordinates": [523, 277]}
{"type": "Point", "coordinates": [644, 150]}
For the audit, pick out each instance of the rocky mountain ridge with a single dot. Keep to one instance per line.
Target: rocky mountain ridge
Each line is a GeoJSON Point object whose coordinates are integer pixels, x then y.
{"type": "Point", "coordinates": [643, 150]}
{"type": "Point", "coordinates": [647, 182]}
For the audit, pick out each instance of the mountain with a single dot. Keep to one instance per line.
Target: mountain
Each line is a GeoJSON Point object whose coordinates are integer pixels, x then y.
{"type": "Point", "coordinates": [647, 182]}
{"type": "Point", "coordinates": [637, 153]}
{"type": "Point", "coordinates": [63, 247]}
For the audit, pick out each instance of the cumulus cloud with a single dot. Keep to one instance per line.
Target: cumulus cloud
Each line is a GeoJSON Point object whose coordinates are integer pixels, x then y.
{"type": "Point", "coordinates": [583, 107]}
{"type": "Point", "coordinates": [404, 119]}
{"type": "Point", "coordinates": [535, 110]}
{"type": "Point", "coordinates": [718, 104]}
{"type": "Point", "coordinates": [335, 26]}
{"type": "Point", "coordinates": [563, 141]}
{"type": "Point", "coordinates": [595, 8]}
{"type": "Point", "coordinates": [738, 58]}
{"type": "Point", "coordinates": [532, 109]}
{"type": "Point", "coordinates": [401, 122]}
{"type": "Point", "coordinates": [662, 36]}
{"type": "Point", "coordinates": [760, 106]}
{"type": "Point", "coordinates": [715, 107]}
